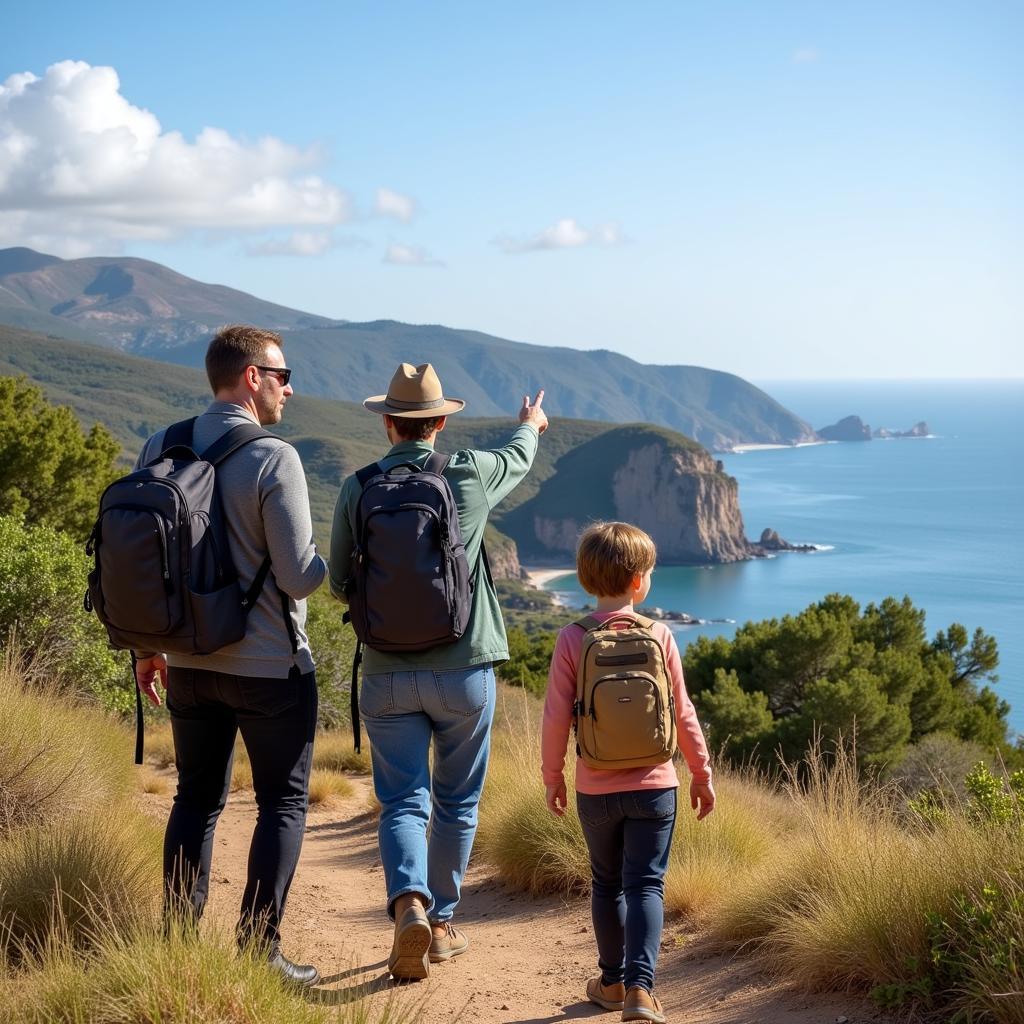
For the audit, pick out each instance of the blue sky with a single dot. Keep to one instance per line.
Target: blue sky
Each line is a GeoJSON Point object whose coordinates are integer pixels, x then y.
{"type": "Point", "coordinates": [774, 189]}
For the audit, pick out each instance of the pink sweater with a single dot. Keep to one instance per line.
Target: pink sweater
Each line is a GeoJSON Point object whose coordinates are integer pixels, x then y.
{"type": "Point", "coordinates": [557, 724]}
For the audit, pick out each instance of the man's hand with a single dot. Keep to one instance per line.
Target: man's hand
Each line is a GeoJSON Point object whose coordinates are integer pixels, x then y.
{"type": "Point", "coordinates": [147, 670]}
{"type": "Point", "coordinates": [702, 796]}
{"type": "Point", "coordinates": [534, 413]}
{"type": "Point", "coordinates": [555, 796]}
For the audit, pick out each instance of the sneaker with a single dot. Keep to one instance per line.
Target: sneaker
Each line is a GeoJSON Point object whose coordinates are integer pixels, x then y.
{"type": "Point", "coordinates": [608, 996]}
{"type": "Point", "coordinates": [409, 960]}
{"type": "Point", "coordinates": [641, 1005]}
{"type": "Point", "coordinates": [447, 941]}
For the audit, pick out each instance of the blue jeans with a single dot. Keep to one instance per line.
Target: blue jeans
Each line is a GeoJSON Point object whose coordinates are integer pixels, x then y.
{"type": "Point", "coordinates": [428, 821]}
{"type": "Point", "coordinates": [629, 835]}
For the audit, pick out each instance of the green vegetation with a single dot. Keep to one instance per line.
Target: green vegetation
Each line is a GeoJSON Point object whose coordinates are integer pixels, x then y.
{"type": "Point", "coordinates": [41, 617]}
{"type": "Point", "coordinates": [822, 873]}
{"type": "Point", "coordinates": [836, 671]}
{"type": "Point", "coordinates": [50, 472]}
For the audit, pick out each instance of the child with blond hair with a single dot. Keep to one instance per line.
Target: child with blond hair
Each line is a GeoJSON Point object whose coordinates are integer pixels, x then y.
{"type": "Point", "coordinates": [627, 813]}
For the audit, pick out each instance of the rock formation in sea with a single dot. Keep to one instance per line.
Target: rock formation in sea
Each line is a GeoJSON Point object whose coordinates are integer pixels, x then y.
{"type": "Point", "coordinates": [917, 430]}
{"type": "Point", "coordinates": [849, 428]}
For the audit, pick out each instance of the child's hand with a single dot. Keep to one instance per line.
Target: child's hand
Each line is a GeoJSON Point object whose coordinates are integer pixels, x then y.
{"type": "Point", "coordinates": [703, 796]}
{"type": "Point", "coordinates": [556, 798]}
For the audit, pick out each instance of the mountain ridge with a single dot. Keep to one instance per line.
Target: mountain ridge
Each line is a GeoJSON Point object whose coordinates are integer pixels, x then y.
{"type": "Point", "coordinates": [141, 307]}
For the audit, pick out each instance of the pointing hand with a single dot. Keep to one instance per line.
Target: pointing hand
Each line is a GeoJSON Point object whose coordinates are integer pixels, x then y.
{"type": "Point", "coordinates": [533, 413]}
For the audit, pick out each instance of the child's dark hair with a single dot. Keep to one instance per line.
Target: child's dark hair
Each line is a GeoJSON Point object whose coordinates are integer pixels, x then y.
{"type": "Point", "coordinates": [609, 555]}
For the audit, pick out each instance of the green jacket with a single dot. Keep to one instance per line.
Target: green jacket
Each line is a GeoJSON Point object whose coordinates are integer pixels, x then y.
{"type": "Point", "coordinates": [479, 480]}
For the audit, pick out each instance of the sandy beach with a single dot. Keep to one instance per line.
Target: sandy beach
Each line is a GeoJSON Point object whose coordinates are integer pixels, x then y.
{"type": "Point", "coordinates": [540, 577]}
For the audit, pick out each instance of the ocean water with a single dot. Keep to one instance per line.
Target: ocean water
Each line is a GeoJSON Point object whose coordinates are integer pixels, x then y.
{"type": "Point", "coordinates": [940, 519]}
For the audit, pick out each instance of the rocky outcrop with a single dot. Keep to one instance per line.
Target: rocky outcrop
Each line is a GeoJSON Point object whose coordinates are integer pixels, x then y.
{"type": "Point", "coordinates": [682, 498]}
{"type": "Point", "coordinates": [850, 428]}
{"type": "Point", "coordinates": [917, 430]}
{"type": "Point", "coordinates": [771, 542]}
{"type": "Point", "coordinates": [503, 557]}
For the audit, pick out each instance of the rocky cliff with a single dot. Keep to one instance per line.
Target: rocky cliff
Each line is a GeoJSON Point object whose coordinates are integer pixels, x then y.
{"type": "Point", "coordinates": [678, 494]}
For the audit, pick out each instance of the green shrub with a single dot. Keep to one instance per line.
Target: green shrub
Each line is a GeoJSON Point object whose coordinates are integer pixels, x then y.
{"type": "Point", "coordinates": [50, 471]}
{"type": "Point", "coordinates": [529, 659]}
{"type": "Point", "coordinates": [333, 644]}
{"type": "Point", "coordinates": [41, 616]}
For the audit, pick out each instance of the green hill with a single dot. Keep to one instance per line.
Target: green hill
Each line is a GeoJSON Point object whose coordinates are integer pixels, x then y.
{"type": "Point", "coordinates": [141, 307]}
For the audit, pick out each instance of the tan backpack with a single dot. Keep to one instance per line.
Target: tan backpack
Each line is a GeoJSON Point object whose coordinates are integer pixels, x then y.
{"type": "Point", "coordinates": [625, 711]}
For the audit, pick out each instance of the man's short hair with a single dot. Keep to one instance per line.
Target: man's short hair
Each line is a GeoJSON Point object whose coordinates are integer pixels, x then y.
{"type": "Point", "coordinates": [415, 428]}
{"type": "Point", "coordinates": [233, 349]}
{"type": "Point", "coordinates": [609, 555]}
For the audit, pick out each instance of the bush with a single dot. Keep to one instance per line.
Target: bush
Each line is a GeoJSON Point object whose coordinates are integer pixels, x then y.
{"type": "Point", "coordinates": [135, 975]}
{"type": "Point", "coordinates": [529, 658]}
{"type": "Point", "coordinates": [55, 758]}
{"type": "Point", "coordinates": [328, 787]}
{"type": "Point", "coordinates": [333, 644]}
{"type": "Point", "coordinates": [69, 875]}
{"type": "Point", "coordinates": [41, 616]}
{"type": "Point", "coordinates": [50, 472]}
{"type": "Point", "coordinates": [334, 750]}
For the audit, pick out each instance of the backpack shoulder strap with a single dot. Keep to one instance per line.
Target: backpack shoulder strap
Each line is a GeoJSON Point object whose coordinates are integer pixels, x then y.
{"type": "Point", "coordinates": [365, 474]}
{"type": "Point", "coordinates": [437, 463]}
{"type": "Point", "coordinates": [177, 435]}
{"type": "Point", "coordinates": [230, 441]}
{"type": "Point", "coordinates": [589, 623]}
{"type": "Point", "coordinates": [643, 622]}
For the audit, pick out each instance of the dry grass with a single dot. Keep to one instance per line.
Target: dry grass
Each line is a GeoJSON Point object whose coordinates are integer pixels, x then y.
{"type": "Point", "coordinates": [151, 782]}
{"type": "Point", "coordinates": [59, 758]}
{"type": "Point", "coordinates": [327, 788]}
{"type": "Point", "coordinates": [135, 975]}
{"type": "Point", "coordinates": [334, 750]}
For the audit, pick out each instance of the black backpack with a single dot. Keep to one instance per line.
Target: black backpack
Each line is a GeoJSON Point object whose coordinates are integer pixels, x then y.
{"type": "Point", "coordinates": [163, 578]}
{"type": "Point", "coordinates": [410, 587]}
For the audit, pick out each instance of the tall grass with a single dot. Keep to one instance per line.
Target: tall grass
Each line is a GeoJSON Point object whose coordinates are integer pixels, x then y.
{"type": "Point", "coordinates": [73, 872]}
{"type": "Point", "coordinates": [823, 874]}
{"type": "Point", "coordinates": [136, 975]}
{"type": "Point", "coordinates": [56, 757]}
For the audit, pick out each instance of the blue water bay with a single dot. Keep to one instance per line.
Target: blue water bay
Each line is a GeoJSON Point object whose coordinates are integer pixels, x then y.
{"type": "Point", "coordinates": [938, 519]}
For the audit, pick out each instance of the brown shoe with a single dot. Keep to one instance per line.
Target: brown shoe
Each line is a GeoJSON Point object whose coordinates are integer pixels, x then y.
{"type": "Point", "coordinates": [641, 1005]}
{"type": "Point", "coordinates": [447, 941]}
{"type": "Point", "coordinates": [409, 960]}
{"type": "Point", "coordinates": [608, 996]}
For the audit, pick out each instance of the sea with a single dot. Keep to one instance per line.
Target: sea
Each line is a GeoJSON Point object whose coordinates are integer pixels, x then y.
{"type": "Point", "coordinates": [940, 518]}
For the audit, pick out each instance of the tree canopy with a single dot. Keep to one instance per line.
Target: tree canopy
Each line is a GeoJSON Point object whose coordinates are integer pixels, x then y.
{"type": "Point", "coordinates": [51, 473]}
{"type": "Point", "coordinates": [835, 671]}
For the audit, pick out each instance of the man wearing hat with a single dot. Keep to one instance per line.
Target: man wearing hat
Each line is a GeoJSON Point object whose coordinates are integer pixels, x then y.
{"type": "Point", "coordinates": [444, 695]}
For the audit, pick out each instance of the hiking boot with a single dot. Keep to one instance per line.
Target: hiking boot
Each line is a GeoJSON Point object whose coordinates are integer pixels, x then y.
{"type": "Point", "coordinates": [447, 941]}
{"type": "Point", "coordinates": [641, 1005]}
{"type": "Point", "coordinates": [409, 960]}
{"type": "Point", "coordinates": [608, 996]}
{"type": "Point", "coordinates": [299, 975]}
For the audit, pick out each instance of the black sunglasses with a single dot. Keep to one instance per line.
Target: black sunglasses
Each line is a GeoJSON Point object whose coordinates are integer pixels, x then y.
{"type": "Point", "coordinates": [284, 374]}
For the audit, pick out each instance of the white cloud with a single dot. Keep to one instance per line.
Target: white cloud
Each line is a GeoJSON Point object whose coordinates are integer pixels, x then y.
{"type": "Point", "coordinates": [564, 234]}
{"type": "Point", "coordinates": [82, 168]}
{"type": "Point", "coordinates": [806, 55]}
{"type": "Point", "coordinates": [299, 243]}
{"type": "Point", "coordinates": [409, 256]}
{"type": "Point", "coordinates": [394, 204]}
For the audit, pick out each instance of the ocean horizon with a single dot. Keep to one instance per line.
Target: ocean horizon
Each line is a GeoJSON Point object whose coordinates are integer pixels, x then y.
{"type": "Point", "coordinates": [936, 518]}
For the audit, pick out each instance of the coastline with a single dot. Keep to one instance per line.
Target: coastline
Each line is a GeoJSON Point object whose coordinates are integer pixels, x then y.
{"type": "Point", "coordinates": [540, 577]}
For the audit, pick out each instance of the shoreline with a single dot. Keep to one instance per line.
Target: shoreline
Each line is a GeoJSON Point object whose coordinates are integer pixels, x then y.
{"type": "Point", "coordinates": [540, 577]}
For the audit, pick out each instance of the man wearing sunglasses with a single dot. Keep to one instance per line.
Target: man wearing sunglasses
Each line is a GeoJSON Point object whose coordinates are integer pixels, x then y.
{"type": "Point", "coordinates": [264, 685]}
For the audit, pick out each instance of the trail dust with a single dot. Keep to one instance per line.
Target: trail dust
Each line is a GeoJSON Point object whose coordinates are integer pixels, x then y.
{"type": "Point", "coordinates": [529, 957]}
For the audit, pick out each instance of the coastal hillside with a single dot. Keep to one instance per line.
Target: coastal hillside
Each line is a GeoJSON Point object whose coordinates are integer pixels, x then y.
{"type": "Point", "coordinates": [584, 469]}
{"type": "Point", "coordinates": [144, 308]}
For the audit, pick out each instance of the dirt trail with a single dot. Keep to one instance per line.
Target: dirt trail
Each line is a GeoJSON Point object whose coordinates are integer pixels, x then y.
{"type": "Point", "coordinates": [529, 957]}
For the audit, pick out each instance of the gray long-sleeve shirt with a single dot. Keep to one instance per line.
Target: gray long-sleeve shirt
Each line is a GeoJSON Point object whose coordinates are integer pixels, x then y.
{"type": "Point", "coordinates": [266, 508]}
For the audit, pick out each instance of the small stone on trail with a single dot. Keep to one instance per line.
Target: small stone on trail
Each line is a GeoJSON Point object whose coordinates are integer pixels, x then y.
{"type": "Point", "coordinates": [505, 1006]}
{"type": "Point", "coordinates": [842, 1020]}
{"type": "Point", "coordinates": [584, 930]}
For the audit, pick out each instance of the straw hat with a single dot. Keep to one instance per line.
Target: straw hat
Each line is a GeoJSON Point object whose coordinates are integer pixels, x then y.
{"type": "Point", "coordinates": [414, 391]}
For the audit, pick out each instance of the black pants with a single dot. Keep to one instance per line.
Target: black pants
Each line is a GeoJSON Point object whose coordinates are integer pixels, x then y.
{"type": "Point", "coordinates": [277, 719]}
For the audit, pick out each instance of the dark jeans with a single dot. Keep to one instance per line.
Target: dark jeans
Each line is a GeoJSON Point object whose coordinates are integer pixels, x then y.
{"type": "Point", "coordinates": [629, 836]}
{"type": "Point", "coordinates": [277, 719]}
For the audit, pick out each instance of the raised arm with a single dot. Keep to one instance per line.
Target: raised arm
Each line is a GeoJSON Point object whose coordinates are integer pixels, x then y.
{"type": "Point", "coordinates": [501, 469]}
